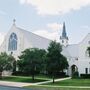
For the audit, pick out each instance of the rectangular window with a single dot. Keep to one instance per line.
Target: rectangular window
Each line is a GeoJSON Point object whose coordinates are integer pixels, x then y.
{"type": "Point", "coordinates": [86, 70]}
{"type": "Point", "coordinates": [89, 70]}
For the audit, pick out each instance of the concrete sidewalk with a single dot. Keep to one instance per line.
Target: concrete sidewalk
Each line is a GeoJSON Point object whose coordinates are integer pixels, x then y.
{"type": "Point", "coordinates": [56, 80]}
{"type": "Point", "coordinates": [20, 84]}
{"type": "Point", "coordinates": [64, 86]}
{"type": "Point", "coordinates": [14, 84]}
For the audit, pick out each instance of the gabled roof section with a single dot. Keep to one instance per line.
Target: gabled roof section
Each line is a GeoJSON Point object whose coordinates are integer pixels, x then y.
{"type": "Point", "coordinates": [71, 51]}
{"type": "Point", "coordinates": [35, 40]}
{"type": "Point", "coordinates": [87, 37]}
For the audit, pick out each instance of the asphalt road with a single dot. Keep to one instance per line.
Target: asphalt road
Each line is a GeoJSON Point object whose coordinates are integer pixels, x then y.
{"type": "Point", "coordinates": [12, 88]}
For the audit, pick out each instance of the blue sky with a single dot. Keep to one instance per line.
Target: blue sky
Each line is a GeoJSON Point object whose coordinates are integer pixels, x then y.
{"type": "Point", "coordinates": [45, 17]}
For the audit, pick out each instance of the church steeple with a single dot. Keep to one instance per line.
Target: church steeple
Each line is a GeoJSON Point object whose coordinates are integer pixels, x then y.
{"type": "Point", "coordinates": [64, 38]}
{"type": "Point", "coordinates": [64, 34]}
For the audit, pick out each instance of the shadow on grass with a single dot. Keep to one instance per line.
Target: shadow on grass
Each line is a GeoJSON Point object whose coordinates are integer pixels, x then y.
{"type": "Point", "coordinates": [20, 79]}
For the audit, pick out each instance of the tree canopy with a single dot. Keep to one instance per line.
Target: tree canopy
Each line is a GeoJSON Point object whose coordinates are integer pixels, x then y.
{"type": "Point", "coordinates": [56, 62]}
{"type": "Point", "coordinates": [34, 60]}
{"type": "Point", "coordinates": [6, 62]}
{"type": "Point", "coordinates": [30, 61]}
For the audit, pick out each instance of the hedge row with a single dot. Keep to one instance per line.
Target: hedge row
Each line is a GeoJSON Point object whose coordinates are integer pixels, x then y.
{"type": "Point", "coordinates": [85, 76]}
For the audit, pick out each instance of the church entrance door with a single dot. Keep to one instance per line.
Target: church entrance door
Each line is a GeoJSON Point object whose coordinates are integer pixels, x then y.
{"type": "Point", "coordinates": [74, 68]}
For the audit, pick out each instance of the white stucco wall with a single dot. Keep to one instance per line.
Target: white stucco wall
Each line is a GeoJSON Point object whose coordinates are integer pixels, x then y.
{"type": "Point", "coordinates": [76, 53]}
{"type": "Point", "coordinates": [25, 40]}
{"type": "Point", "coordinates": [84, 59]}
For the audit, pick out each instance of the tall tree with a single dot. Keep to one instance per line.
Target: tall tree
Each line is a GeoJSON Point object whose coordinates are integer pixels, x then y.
{"type": "Point", "coordinates": [6, 62]}
{"type": "Point", "coordinates": [30, 61]}
{"type": "Point", "coordinates": [56, 62]}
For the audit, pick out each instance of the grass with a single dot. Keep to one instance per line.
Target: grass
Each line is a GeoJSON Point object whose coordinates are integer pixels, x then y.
{"type": "Point", "coordinates": [72, 82]}
{"type": "Point", "coordinates": [45, 77]}
{"type": "Point", "coordinates": [61, 85]}
{"type": "Point", "coordinates": [22, 79]}
{"type": "Point", "coordinates": [54, 88]}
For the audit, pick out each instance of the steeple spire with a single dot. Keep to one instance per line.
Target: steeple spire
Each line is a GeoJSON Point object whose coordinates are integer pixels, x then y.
{"type": "Point", "coordinates": [63, 37]}
{"type": "Point", "coordinates": [64, 34]}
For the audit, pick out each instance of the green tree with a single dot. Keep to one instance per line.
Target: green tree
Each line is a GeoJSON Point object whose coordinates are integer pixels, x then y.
{"type": "Point", "coordinates": [31, 60]}
{"type": "Point", "coordinates": [56, 62]}
{"type": "Point", "coordinates": [13, 60]}
{"type": "Point", "coordinates": [6, 62]}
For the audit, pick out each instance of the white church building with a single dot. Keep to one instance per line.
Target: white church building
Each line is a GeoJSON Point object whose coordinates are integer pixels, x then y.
{"type": "Point", "coordinates": [17, 40]}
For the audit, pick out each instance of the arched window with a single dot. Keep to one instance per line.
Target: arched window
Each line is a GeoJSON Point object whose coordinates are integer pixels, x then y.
{"type": "Point", "coordinates": [88, 51]}
{"type": "Point", "coordinates": [12, 42]}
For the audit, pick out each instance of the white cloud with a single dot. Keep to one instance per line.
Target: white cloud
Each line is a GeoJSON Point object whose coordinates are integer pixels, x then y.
{"type": "Point", "coordinates": [2, 12]}
{"type": "Point", "coordinates": [55, 26]}
{"type": "Point", "coordinates": [47, 34]}
{"type": "Point", "coordinates": [22, 1]}
{"type": "Point", "coordinates": [56, 7]}
{"type": "Point", "coordinates": [85, 27]}
{"type": "Point", "coordinates": [53, 33]}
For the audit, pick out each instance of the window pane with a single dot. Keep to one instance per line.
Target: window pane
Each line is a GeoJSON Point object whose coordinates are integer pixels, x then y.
{"type": "Point", "coordinates": [12, 42]}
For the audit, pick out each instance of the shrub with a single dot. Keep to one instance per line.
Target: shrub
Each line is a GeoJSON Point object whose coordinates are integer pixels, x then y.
{"type": "Point", "coordinates": [75, 74]}
{"type": "Point", "coordinates": [19, 73]}
{"type": "Point", "coordinates": [61, 74]}
{"type": "Point", "coordinates": [85, 76]}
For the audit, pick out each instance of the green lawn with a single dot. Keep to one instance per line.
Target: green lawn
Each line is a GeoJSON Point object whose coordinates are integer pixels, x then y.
{"type": "Point", "coordinates": [64, 85]}
{"type": "Point", "coordinates": [72, 82]}
{"type": "Point", "coordinates": [45, 77]}
{"type": "Point", "coordinates": [54, 88]}
{"type": "Point", "coordinates": [22, 79]}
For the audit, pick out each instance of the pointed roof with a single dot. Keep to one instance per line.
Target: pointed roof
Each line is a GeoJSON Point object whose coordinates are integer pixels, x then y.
{"type": "Point", "coordinates": [64, 34]}
{"type": "Point", "coordinates": [34, 40]}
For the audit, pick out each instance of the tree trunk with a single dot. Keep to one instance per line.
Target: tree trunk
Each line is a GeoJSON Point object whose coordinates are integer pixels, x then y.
{"type": "Point", "coordinates": [33, 77]}
{"type": "Point", "coordinates": [14, 66]}
{"type": "Point", "coordinates": [53, 77]}
{"type": "Point", "coordinates": [0, 75]}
